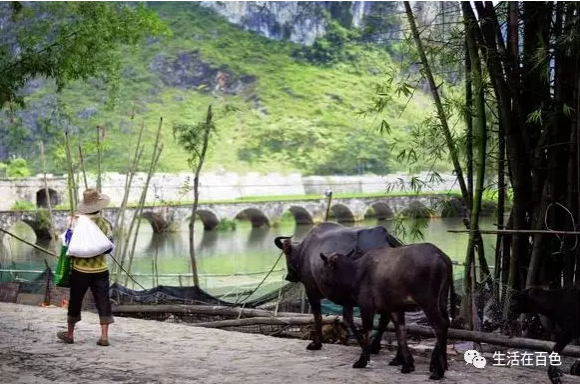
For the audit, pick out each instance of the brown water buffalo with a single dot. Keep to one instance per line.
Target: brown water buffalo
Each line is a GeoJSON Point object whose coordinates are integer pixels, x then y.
{"type": "Point", "coordinates": [304, 264]}
{"type": "Point", "coordinates": [561, 306]}
{"type": "Point", "coordinates": [391, 281]}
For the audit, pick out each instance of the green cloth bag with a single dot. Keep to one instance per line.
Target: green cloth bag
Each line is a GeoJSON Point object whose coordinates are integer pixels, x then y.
{"type": "Point", "coordinates": [64, 265]}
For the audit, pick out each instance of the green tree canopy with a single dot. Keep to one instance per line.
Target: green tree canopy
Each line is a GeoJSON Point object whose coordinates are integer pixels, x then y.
{"type": "Point", "coordinates": [67, 41]}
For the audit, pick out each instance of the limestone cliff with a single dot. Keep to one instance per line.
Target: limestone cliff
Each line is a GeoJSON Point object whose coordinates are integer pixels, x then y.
{"type": "Point", "coordinates": [303, 21]}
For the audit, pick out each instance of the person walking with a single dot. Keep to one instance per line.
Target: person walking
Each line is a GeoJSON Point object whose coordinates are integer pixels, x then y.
{"type": "Point", "coordinates": [90, 273]}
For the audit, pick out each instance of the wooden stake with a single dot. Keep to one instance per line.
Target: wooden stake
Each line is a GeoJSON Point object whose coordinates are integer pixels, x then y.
{"type": "Point", "coordinates": [512, 231]}
{"type": "Point", "coordinates": [99, 158]}
{"type": "Point", "coordinates": [47, 195]}
{"type": "Point", "coordinates": [157, 149]}
{"type": "Point", "coordinates": [259, 316]}
{"type": "Point", "coordinates": [28, 243]}
{"type": "Point", "coordinates": [72, 196]}
{"type": "Point", "coordinates": [82, 161]}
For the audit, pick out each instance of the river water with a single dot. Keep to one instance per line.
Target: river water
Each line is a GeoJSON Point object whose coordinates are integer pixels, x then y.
{"type": "Point", "coordinates": [228, 261]}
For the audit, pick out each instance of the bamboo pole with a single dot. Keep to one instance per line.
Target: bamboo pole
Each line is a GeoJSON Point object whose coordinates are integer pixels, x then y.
{"type": "Point", "coordinates": [72, 196]}
{"type": "Point", "coordinates": [286, 318]}
{"type": "Point", "coordinates": [157, 149]}
{"type": "Point", "coordinates": [47, 195]}
{"type": "Point", "coordinates": [132, 167]}
{"type": "Point", "coordinates": [512, 231]}
{"type": "Point", "coordinates": [98, 158]}
{"type": "Point", "coordinates": [28, 243]}
{"type": "Point", "coordinates": [155, 261]}
{"type": "Point", "coordinates": [82, 161]}
{"type": "Point", "coordinates": [138, 214]}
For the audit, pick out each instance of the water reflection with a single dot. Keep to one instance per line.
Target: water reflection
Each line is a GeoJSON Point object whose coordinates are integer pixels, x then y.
{"type": "Point", "coordinates": [243, 250]}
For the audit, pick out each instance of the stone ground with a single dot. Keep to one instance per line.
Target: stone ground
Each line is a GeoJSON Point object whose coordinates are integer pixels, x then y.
{"type": "Point", "coordinates": [145, 351]}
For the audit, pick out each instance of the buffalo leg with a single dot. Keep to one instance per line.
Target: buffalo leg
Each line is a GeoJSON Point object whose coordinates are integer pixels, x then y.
{"type": "Point", "coordinates": [440, 325]}
{"type": "Point", "coordinates": [316, 344]}
{"type": "Point", "coordinates": [554, 373]}
{"type": "Point", "coordinates": [403, 353]}
{"type": "Point", "coordinates": [367, 327]}
{"type": "Point", "coordinates": [376, 343]}
{"type": "Point", "coordinates": [348, 318]}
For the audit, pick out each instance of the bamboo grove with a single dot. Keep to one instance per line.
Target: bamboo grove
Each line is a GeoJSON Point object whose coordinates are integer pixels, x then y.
{"type": "Point", "coordinates": [521, 69]}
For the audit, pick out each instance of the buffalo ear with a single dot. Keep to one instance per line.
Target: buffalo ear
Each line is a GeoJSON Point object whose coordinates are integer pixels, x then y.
{"type": "Point", "coordinates": [324, 258]}
{"type": "Point", "coordinates": [351, 253]}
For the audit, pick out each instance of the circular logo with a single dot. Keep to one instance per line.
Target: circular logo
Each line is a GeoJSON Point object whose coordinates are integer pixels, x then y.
{"type": "Point", "coordinates": [479, 362]}
{"type": "Point", "coordinates": [469, 355]}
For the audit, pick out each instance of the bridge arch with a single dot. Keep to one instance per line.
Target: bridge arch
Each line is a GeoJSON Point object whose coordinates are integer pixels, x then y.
{"type": "Point", "coordinates": [42, 198]}
{"type": "Point", "coordinates": [417, 210]}
{"type": "Point", "coordinates": [301, 215]}
{"type": "Point", "coordinates": [452, 207]}
{"type": "Point", "coordinates": [342, 213]}
{"type": "Point", "coordinates": [208, 218]}
{"type": "Point", "coordinates": [379, 210]}
{"type": "Point", "coordinates": [157, 221]}
{"type": "Point", "coordinates": [25, 227]}
{"type": "Point", "coordinates": [256, 216]}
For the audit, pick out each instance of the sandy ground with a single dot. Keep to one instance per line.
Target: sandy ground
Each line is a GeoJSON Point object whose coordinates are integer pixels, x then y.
{"type": "Point", "coordinates": [144, 351]}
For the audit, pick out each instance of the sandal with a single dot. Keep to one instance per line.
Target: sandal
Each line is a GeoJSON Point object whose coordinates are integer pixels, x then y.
{"type": "Point", "coordinates": [103, 343]}
{"type": "Point", "coordinates": [63, 335]}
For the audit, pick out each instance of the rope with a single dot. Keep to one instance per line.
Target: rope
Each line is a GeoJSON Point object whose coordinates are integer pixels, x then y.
{"type": "Point", "coordinates": [264, 279]}
{"type": "Point", "coordinates": [127, 273]}
{"type": "Point", "coordinates": [558, 236]}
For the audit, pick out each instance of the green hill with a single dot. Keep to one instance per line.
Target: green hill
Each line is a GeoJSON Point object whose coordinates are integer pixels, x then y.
{"type": "Point", "coordinates": [291, 114]}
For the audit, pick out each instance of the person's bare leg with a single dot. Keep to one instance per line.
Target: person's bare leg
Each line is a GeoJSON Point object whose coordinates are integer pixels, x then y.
{"type": "Point", "coordinates": [71, 330]}
{"type": "Point", "coordinates": [105, 332]}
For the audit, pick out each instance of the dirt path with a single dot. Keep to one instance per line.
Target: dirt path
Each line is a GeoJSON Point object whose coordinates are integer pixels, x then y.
{"type": "Point", "coordinates": [144, 351]}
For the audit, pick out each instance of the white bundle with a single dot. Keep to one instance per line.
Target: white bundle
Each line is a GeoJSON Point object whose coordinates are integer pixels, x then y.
{"type": "Point", "coordinates": [87, 239]}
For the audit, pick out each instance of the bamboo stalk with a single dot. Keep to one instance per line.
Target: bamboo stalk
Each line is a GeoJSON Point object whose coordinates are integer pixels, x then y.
{"type": "Point", "coordinates": [47, 195]}
{"type": "Point", "coordinates": [286, 318]}
{"type": "Point", "coordinates": [98, 158]}
{"type": "Point", "coordinates": [132, 166]}
{"type": "Point", "coordinates": [157, 149]}
{"type": "Point", "coordinates": [28, 243]}
{"type": "Point", "coordinates": [139, 212]}
{"type": "Point", "coordinates": [72, 196]}
{"type": "Point", "coordinates": [131, 169]}
{"type": "Point", "coordinates": [82, 161]}
{"type": "Point", "coordinates": [203, 309]}
{"type": "Point", "coordinates": [155, 261]}
{"type": "Point", "coordinates": [512, 231]}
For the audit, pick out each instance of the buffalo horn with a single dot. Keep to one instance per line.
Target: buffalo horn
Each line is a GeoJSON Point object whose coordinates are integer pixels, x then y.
{"type": "Point", "coordinates": [278, 241]}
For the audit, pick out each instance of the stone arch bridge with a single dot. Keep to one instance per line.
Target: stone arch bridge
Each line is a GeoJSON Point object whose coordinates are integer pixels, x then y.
{"type": "Point", "coordinates": [167, 218]}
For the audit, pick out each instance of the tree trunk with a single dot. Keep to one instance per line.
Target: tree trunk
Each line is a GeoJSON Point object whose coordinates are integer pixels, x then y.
{"type": "Point", "coordinates": [206, 133]}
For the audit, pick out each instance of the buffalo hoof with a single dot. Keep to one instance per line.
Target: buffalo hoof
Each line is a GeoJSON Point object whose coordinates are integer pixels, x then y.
{"type": "Point", "coordinates": [436, 376]}
{"type": "Point", "coordinates": [360, 363]}
{"type": "Point", "coordinates": [397, 360]}
{"type": "Point", "coordinates": [375, 348]}
{"type": "Point", "coordinates": [314, 346]}
{"type": "Point", "coordinates": [555, 375]}
{"type": "Point", "coordinates": [408, 368]}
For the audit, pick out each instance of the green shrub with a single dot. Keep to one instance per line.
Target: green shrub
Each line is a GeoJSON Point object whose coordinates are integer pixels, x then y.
{"type": "Point", "coordinates": [23, 206]}
{"type": "Point", "coordinates": [18, 168]}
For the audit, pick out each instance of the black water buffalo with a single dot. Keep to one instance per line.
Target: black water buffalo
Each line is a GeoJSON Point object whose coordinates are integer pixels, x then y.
{"type": "Point", "coordinates": [392, 281]}
{"type": "Point", "coordinates": [304, 265]}
{"type": "Point", "coordinates": [561, 306]}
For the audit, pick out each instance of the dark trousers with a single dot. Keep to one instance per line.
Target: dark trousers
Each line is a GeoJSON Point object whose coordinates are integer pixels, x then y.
{"type": "Point", "coordinates": [80, 282]}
